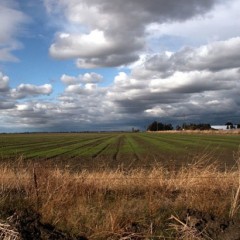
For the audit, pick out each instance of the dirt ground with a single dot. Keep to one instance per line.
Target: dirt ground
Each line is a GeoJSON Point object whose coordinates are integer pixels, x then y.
{"type": "Point", "coordinates": [198, 225]}
{"type": "Point", "coordinates": [26, 225]}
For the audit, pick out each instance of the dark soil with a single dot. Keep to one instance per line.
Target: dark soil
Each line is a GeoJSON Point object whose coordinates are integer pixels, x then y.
{"type": "Point", "coordinates": [30, 227]}
{"type": "Point", "coordinates": [208, 226]}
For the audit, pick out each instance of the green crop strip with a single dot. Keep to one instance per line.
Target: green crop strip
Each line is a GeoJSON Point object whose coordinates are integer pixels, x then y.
{"type": "Point", "coordinates": [118, 147]}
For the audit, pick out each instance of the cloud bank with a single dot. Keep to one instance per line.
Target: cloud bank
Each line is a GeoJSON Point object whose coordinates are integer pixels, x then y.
{"type": "Point", "coordinates": [167, 70]}
{"type": "Point", "coordinates": [200, 84]}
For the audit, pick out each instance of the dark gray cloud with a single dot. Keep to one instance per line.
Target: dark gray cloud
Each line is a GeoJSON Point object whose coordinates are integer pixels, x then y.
{"type": "Point", "coordinates": [112, 60]}
{"type": "Point", "coordinates": [159, 10]}
{"type": "Point", "coordinates": [5, 103]}
{"type": "Point", "coordinates": [213, 57]}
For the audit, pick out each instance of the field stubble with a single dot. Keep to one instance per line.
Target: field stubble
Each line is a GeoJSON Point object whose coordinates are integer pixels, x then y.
{"type": "Point", "coordinates": [194, 202]}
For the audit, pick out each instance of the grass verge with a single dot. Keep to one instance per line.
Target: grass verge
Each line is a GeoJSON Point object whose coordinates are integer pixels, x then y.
{"type": "Point", "coordinates": [192, 202]}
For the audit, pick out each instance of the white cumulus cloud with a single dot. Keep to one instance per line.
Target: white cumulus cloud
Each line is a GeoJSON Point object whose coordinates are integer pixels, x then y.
{"type": "Point", "coordinates": [113, 33]}
{"type": "Point", "coordinates": [4, 80]}
{"type": "Point", "coordinates": [85, 78]}
{"type": "Point", "coordinates": [26, 90]}
{"type": "Point", "coordinates": [12, 22]}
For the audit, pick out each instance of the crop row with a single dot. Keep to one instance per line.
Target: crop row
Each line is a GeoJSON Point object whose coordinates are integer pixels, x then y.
{"type": "Point", "coordinates": [114, 149]}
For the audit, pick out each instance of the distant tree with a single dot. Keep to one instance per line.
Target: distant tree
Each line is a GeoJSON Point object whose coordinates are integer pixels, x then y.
{"type": "Point", "coordinates": [168, 127]}
{"type": "Point", "coordinates": [193, 126]}
{"type": "Point", "coordinates": [238, 125]}
{"type": "Point", "coordinates": [184, 126]}
{"type": "Point", "coordinates": [203, 126]}
{"type": "Point", "coordinates": [153, 126]}
{"type": "Point", "coordinates": [158, 126]}
{"type": "Point", "coordinates": [178, 128]}
{"type": "Point", "coordinates": [135, 130]}
{"type": "Point", "coordinates": [229, 125]}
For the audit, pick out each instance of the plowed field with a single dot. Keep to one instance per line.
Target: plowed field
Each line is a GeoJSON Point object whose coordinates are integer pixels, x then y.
{"type": "Point", "coordinates": [129, 150]}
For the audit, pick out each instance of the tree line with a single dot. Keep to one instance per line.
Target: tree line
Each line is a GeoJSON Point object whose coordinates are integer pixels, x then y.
{"type": "Point", "coordinates": [159, 126]}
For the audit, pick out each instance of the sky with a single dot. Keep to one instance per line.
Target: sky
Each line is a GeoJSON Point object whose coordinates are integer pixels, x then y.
{"type": "Point", "coordinates": [86, 65]}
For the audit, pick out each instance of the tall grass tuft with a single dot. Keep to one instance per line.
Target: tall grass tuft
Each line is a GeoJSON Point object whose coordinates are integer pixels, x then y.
{"type": "Point", "coordinates": [120, 204]}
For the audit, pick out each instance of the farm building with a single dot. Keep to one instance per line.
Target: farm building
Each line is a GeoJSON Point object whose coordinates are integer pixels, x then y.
{"type": "Point", "coordinates": [223, 127]}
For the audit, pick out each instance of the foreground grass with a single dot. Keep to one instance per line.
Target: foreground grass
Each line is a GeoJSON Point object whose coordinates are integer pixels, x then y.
{"type": "Point", "coordinates": [120, 204]}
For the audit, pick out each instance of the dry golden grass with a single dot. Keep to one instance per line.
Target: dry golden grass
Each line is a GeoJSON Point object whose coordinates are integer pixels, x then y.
{"type": "Point", "coordinates": [210, 132]}
{"type": "Point", "coordinates": [108, 204]}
